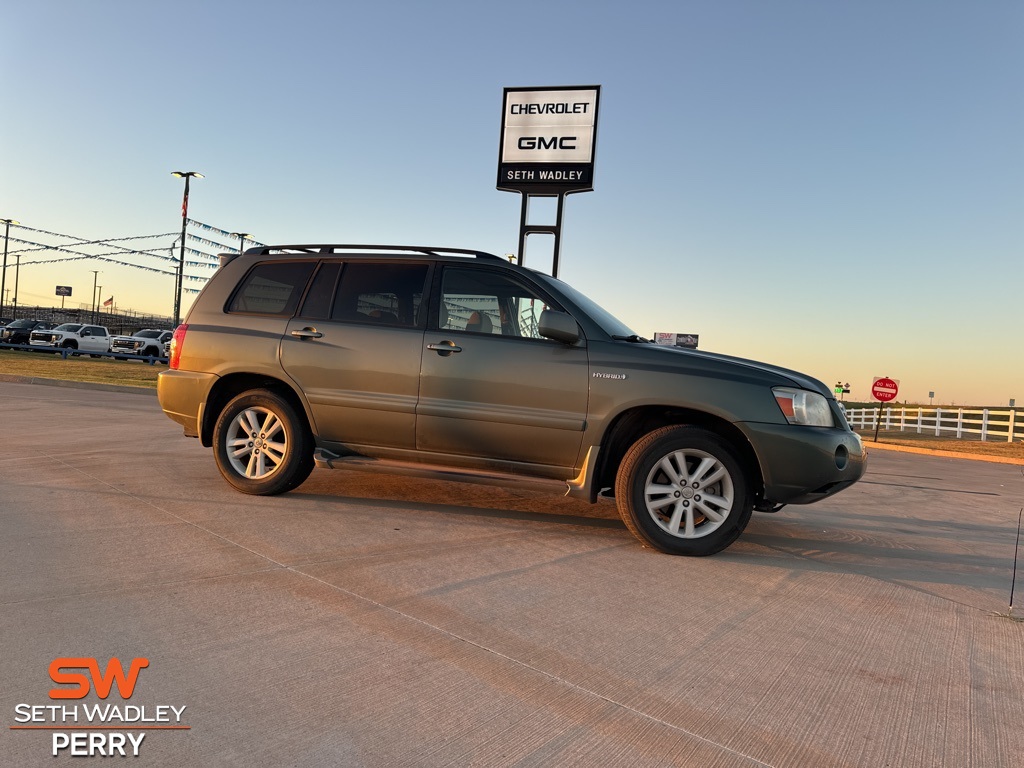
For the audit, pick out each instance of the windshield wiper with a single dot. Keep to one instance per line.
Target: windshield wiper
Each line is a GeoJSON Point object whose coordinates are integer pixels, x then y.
{"type": "Point", "coordinates": [634, 339]}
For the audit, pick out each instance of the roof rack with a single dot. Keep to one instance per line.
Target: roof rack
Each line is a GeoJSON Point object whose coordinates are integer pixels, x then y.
{"type": "Point", "coordinates": [345, 248]}
{"type": "Point", "coordinates": [333, 248]}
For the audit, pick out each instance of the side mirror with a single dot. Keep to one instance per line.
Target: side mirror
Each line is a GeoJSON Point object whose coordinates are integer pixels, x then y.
{"type": "Point", "coordinates": [558, 326]}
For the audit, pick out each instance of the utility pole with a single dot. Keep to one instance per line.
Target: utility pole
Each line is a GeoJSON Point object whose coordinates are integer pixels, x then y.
{"type": "Point", "coordinates": [7, 234]}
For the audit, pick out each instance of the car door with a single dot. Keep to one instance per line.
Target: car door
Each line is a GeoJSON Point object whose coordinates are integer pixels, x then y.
{"type": "Point", "coordinates": [94, 338]}
{"type": "Point", "coordinates": [491, 388]}
{"type": "Point", "coordinates": [354, 350]}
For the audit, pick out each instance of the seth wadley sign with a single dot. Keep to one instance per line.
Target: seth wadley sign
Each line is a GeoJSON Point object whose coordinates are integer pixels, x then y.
{"type": "Point", "coordinates": [548, 138]}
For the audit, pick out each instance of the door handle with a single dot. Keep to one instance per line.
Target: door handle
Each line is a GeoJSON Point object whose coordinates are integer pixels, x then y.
{"type": "Point", "coordinates": [307, 333]}
{"type": "Point", "coordinates": [444, 348]}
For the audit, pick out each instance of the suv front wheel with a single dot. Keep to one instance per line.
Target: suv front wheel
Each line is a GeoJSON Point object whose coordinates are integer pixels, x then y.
{"type": "Point", "coordinates": [681, 490]}
{"type": "Point", "coordinates": [261, 445]}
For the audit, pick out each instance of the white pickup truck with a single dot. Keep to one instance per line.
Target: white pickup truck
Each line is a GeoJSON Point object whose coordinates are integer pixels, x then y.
{"type": "Point", "coordinates": [84, 338]}
{"type": "Point", "coordinates": [148, 341]}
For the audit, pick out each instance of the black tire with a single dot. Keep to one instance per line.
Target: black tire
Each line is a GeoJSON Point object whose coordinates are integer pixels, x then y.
{"type": "Point", "coordinates": [663, 498]}
{"type": "Point", "coordinates": [262, 446]}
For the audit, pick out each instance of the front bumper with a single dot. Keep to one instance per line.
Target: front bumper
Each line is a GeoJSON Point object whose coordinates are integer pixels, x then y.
{"type": "Point", "coordinates": [801, 465]}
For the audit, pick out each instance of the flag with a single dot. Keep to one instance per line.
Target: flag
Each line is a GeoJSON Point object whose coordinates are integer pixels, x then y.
{"type": "Point", "coordinates": [109, 302]}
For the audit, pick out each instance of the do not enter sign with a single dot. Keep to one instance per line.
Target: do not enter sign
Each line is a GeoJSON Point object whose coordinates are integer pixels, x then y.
{"type": "Point", "coordinates": [884, 389]}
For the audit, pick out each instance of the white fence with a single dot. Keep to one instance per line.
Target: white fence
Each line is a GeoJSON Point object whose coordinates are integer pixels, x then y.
{"type": "Point", "coordinates": [985, 424]}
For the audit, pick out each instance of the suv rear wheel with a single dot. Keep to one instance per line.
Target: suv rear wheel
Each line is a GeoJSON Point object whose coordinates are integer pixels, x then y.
{"type": "Point", "coordinates": [682, 490]}
{"type": "Point", "coordinates": [261, 445]}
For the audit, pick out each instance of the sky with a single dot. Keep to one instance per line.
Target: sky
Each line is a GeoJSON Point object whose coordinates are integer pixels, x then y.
{"type": "Point", "coordinates": [836, 187]}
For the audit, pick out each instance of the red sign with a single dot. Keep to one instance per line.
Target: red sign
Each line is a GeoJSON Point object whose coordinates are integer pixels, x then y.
{"type": "Point", "coordinates": [885, 389]}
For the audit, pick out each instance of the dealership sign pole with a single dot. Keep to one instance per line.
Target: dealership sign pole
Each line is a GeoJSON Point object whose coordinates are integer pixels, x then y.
{"type": "Point", "coordinates": [548, 138]}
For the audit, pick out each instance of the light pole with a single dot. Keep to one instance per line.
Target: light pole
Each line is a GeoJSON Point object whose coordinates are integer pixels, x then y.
{"type": "Point", "coordinates": [7, 234]}
{"type": "Point", "coordinates": [170, 252]}
{"type": "Point", "coordinates": [242, 237]}
{"type": "Point", "coordinates": [17, 272]}
{"type": "Point", "coordinates": [187, 176]}
{"type": "Point", "coordinates": [95, 274]}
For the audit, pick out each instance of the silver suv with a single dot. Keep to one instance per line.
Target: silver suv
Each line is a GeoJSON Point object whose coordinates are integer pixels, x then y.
{"type": "Point", "coordinates": [455, 363]}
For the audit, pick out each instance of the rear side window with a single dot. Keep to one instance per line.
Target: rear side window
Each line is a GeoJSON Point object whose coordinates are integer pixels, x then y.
{"type": "Point", "coordinates": [380, 293]}
{"type": "Point", "coordinates": [272, 288]}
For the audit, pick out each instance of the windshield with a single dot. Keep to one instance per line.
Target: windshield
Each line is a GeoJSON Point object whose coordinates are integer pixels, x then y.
{"type": "Point", "coordinates": [148, 334]}
{"type": "Point", "coordinates": [71, 327]}
{"type": "Point", "coordinates": [608, 322]}
{"type": "Point", "coordinates": [22, 324]}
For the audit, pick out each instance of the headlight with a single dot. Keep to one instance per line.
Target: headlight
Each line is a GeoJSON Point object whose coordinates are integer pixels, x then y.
{"type": "Point", "coordinates": [802, 407]}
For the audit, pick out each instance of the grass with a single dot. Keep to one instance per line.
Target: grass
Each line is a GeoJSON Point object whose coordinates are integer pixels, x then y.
{"type": "Point", "coordinates": [134, 373]}
{"type": "Point", "coordinates": [931, 442]}
{"type": "Point", "coordinates": [102, 370]}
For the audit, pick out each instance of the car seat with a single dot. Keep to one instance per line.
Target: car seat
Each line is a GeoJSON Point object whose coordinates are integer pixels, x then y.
{"type": "Point", "coordinates": [479, 323]}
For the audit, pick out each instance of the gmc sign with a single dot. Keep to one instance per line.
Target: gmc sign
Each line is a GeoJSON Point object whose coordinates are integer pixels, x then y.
{"type": "Point", "coordinates": [548, 138]}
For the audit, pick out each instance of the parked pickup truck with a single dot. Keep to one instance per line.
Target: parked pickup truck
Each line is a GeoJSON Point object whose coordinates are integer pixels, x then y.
{"type": "Point", "coordinates": [19, 331]}
{"type": "Point", "coordinates": [148, 341]}
{"type": "Point", "coordinates": [84, 338]}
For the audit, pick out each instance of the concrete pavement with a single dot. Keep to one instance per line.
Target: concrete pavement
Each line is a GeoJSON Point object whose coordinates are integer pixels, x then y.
{"type": "Point", "coordinates": [373, 621]}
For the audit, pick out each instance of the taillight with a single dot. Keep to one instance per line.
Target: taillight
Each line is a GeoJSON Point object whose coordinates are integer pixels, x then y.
{"type": "Point", "coordinates": [177, 341]}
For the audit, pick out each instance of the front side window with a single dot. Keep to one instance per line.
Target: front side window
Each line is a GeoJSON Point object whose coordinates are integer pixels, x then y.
{"type": "Point", "coordinates": [482, 301]}
{"type": "Point", "coordinates": [272, 288]}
